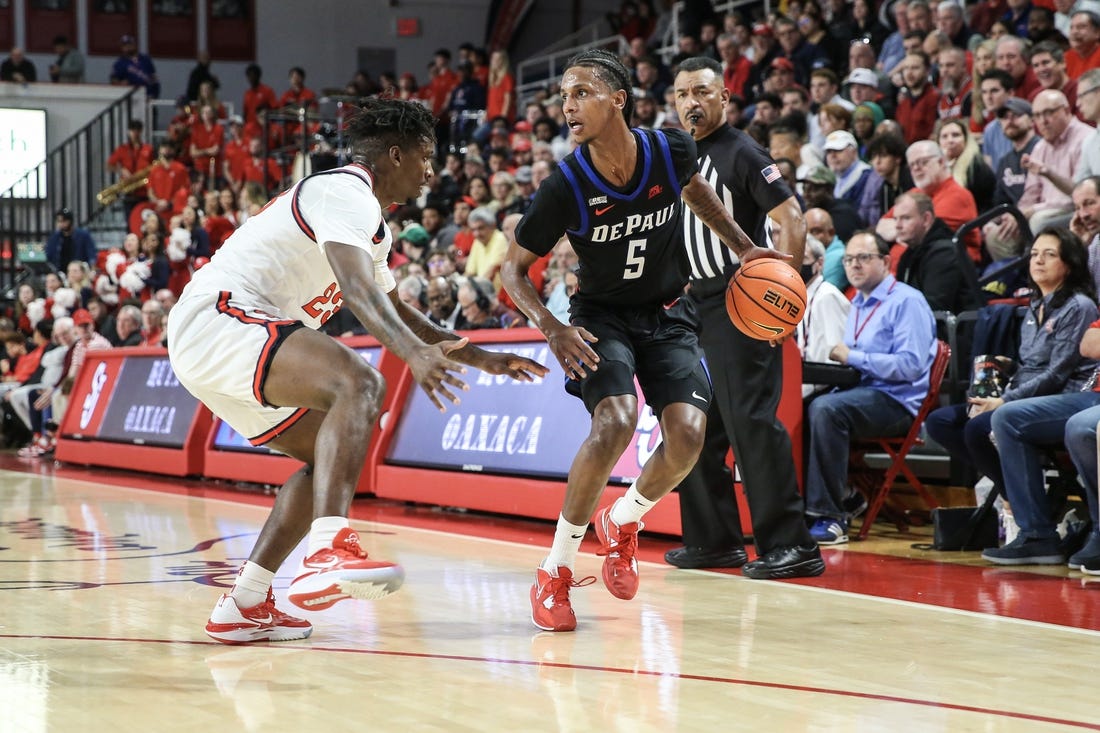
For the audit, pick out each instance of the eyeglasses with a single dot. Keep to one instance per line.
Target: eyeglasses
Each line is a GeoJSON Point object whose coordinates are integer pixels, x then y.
{"type": "Point", "coordinates": [1046, 114]}
{"type": "Point", "coordinates": [1088, 92]}
{"type": "Point", "coordinates": [921, 162]}
{"type": "Point", "coordinates": [864, 258]}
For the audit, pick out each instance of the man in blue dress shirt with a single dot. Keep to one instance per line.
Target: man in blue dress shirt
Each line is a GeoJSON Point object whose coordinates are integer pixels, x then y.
{"type": "Point", "coordinates": [890, 337]}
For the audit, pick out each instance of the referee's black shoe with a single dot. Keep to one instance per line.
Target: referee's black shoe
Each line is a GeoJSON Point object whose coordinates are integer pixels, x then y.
{"type": "Point", "coordinates": [703, 557]}
{"type": "Point", "coordinates": [786, 562]}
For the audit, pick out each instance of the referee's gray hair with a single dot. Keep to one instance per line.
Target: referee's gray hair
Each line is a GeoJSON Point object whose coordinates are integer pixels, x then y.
{"type": "Point", "coordinates": [483, 214]}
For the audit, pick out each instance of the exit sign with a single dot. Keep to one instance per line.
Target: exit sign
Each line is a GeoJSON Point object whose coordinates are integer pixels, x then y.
{"type": "Point", "coordinates": [408, 27]}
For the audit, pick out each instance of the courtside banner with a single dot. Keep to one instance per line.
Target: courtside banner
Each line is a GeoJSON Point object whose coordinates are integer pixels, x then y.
{"type": "Point", "coordinates": [506, 427]}
{"type": "Point", "coordinates": [90, 395]}
{"type": "Point", "coordinates": [148, 405]}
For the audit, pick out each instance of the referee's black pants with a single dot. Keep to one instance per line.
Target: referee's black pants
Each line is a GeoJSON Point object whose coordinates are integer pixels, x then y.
{"type": "Point", "coordinates": [748, 379]}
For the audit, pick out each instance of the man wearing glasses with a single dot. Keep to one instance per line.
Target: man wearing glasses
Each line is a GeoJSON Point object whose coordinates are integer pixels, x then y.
{"type": "Point", "coordinates": [890, 338]}
{"type": "Point", "coordinates": [1052, 165]}
{"type": "Point", "coordinates": [1088, 105]}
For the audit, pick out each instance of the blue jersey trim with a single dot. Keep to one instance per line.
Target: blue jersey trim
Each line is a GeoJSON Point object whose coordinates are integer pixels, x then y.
{"type": "Point", "coordinates": [647, 163]}
{"type": "Point", "coordinates": [662, 142]}
{"type": "Point", "coordinates": [582, 208]}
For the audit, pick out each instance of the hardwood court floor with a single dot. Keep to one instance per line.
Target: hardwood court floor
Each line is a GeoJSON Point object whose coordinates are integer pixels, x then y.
{"type": "Point", "coordinates": [106, 580]}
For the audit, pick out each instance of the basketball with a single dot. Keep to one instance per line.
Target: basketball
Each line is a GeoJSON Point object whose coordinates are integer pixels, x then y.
{"type": "Point", "coordinates": [765, 299]}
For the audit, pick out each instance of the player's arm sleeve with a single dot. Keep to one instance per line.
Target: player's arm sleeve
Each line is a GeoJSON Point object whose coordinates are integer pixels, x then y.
{"type": "Point", "coordinates": [685, 155]}
{"type": "Point", "coordinates": [552, 212]}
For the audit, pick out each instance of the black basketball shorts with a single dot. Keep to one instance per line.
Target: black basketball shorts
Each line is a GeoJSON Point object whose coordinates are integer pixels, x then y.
{"type": "Point", "coordinates": [656, 343]}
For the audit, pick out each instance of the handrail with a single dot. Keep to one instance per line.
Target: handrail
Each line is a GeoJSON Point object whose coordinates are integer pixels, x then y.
{"type": "Point", "coordinates": [70, 176]}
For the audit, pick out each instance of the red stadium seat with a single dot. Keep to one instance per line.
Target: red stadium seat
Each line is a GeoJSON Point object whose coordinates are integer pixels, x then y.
{"type": "Point", "coordinates": [876, 485]}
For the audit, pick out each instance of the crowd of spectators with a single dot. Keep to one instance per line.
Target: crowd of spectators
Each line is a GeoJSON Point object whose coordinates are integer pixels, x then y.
{"type": "Point", "coordinates": [899, 121]}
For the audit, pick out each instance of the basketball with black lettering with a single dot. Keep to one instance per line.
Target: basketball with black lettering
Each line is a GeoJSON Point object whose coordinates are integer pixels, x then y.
{"type": "Point", "coordinates": [766, 299]}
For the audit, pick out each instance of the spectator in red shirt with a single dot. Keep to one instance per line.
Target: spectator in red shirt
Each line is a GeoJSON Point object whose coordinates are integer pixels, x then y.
{"type": "Point", "coordinates": [444, 79]}
{"type": "Point", "coordinates": [258, 96]}
{"type": "Point", "coordinates": [918, 101]}
{"type": "Point", "coordinates": [735, 67]}
{"type": "Point", "coordinates": [207, 138]}
{"type": "Point", "coordinates": [1012, 56]}
{"type": "Point", "coordinates": [501, 88]}
{"type": "Point", "coordinates": [298, 95]}
{"type": "Point", "coordinates": [1084, 42]}
{"type": "Point", "coordinates": [256, 168]}
{"type": "Point", "coordinates": [166, 178]}
{"type": "Point", "coordinates": [132, 156]}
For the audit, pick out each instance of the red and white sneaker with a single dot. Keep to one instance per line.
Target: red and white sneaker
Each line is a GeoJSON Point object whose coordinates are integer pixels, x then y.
{"type": "Point", "coordinates": [550, 607]}
{"type": "Point", "coordinates": [262, 622]}
{"type": "Point", "coordinates": [618, 545]}
{"type": "Point", "coordinates": [340, 572]}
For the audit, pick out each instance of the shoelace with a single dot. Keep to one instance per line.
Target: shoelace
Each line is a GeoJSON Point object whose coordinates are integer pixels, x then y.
{"type": "Point", "coordinates": [559, 587]}
{"type": "Point", "coordinates": [627, 545]}
{"type": "Point", "coordinates": [352, 546]}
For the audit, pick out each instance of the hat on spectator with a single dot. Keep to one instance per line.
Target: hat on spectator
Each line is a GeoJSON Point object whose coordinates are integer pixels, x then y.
{"type": "Point", "coordinates": [523, 174]}
{"type": "Point", "coordinates": [1090, 7]}
{"type": "Point", "coordinates": [127, 40]}
{"type": "Point", "coordinates": [81, 317]}
{"type": "Point", "coordinates": [475, 159]}
{"type": "Point", "coordinates": [522, 126]}
{"type": "Point", "coordinates": [865, 77]}
{"type": "Point", "coordinates": [840, 140]}
{"type": "Point", "coordinates": [521, 144]}
{"type": "Point", "coordinates": [1014, 105]}
{"type": "Point", "coordinates": [236, 120]}
{"type": "Point", "coordinates": [821, 175]}
{"type": "Point", "coordinates": [416, 235]}
{"type": "Point", "coordinates": [148, 214]}
{"type": "Point", "coordinates": [780, 64]}
{"type": "Point", "coordinates": [762, 29]}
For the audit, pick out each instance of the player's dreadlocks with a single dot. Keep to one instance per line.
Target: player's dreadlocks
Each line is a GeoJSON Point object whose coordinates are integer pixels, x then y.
{"type": "Point", "coordinates": [382, 123]}
{"type": "Point", "coordinates": [610, 70]}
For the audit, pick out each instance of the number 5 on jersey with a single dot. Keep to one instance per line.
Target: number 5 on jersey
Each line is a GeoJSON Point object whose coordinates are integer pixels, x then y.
{"type": "Point", "coordinates": [635, 259]}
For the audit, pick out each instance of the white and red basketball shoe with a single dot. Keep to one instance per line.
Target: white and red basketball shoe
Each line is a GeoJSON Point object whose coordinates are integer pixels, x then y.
{"type": "Point", "coordinates": [262, 622]}
{"type": "Point", "coordinates": [618, 545]}
{"type": "Point", "coordinates": [550, 606]}
{"type": "Point", "coordinates": [340, 572]}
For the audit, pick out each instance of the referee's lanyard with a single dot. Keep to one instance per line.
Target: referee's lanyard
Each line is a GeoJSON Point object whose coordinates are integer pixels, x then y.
{"type": "Point", "coordinates": [859, 327]}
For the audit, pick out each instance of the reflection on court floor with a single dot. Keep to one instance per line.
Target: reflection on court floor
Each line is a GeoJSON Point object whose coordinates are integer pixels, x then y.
{"type": "Point", "coordinates": [105, 590]}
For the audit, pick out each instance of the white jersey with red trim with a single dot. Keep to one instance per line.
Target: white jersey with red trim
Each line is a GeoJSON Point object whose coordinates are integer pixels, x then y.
{"type": "Point", "coordinates": [276, 260]}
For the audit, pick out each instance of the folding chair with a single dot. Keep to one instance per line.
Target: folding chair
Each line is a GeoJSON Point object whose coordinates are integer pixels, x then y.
{"type": "Point", "coordinates": [897, 449]}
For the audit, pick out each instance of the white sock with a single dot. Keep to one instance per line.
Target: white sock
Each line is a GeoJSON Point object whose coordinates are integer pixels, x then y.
{"type": "Point", "coordinates": [252, 585]}
{"type": "Point", "coordinates": [631, 507]}
{"type": "Point", "coordinates": [323, 531]}
{"type": "Point", "coordinates": [567, 541]}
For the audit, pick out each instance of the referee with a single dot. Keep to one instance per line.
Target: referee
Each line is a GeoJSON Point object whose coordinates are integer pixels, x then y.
{"type": "Point", "coordinates": [747, 374]}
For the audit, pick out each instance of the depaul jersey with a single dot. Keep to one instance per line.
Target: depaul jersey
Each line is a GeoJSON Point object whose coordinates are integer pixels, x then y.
{"type": "Point", "coordinates": [276, 260]}
{"type": "Point", "coordinates": [628, 240]}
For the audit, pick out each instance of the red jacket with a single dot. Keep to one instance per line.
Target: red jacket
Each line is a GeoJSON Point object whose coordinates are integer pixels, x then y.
{"type": "Point", "coordinates": [919, 113]}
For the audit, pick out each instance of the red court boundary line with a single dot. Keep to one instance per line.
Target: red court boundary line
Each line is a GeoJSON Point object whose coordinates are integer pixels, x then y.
{"type": "Point", "coordinates": [611, 670]}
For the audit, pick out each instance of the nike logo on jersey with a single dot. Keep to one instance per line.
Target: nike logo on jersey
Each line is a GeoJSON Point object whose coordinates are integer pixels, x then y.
{"type": "Point", "coordinates": [604, 210]}
{"type": "Point", "coordinates": [698, 396]}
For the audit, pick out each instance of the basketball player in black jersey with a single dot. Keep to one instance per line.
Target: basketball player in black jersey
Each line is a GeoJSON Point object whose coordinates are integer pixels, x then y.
{"type": "Point", "coordinates": [747, 374]}
{"type": "Point", "coordinates": [617, 197]}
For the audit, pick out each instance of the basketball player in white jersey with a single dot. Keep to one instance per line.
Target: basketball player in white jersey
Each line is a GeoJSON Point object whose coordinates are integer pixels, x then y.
{"type": "Point", "coordinates": [243, 340]}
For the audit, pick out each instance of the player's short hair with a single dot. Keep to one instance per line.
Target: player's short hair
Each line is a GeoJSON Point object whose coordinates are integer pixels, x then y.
{"type": "Point", "coordinates": [609, 69]}
{"type": "Point", "coordinates": [379, 124]}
